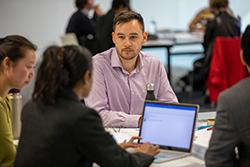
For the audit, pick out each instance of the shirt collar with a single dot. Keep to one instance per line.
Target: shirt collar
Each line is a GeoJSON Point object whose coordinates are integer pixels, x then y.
{"type": "Point", "coordinates": [115, 61]}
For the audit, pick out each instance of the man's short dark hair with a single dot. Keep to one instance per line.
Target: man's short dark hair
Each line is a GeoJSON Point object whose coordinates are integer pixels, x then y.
{"type": "Point", "coordinates": [245, 45]}
{"type": "Point", "coordinates": [127, 16]}
{"type": "Point", "coordinates": [80, 3]}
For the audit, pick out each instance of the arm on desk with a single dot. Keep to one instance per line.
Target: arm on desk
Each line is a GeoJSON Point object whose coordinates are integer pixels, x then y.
{"type": "Point", "coordinates": [131, 143]}
{"type": "Point", "coordinates": [113, 118]}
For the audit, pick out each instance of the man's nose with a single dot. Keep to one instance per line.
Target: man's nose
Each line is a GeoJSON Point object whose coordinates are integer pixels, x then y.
{"type": "Point", "coordinates": [127, 42]}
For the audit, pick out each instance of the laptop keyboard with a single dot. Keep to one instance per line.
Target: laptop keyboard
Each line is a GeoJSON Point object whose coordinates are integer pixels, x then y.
{"type": "Point", "coordinates": [168, 156]}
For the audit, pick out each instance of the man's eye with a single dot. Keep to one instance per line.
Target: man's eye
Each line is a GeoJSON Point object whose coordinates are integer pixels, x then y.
{"type": "Point", "coordinates": [121, 37]}
{"type": "Point", "coordinates": [31, 67]}
{"type": "Point", "coordinates": [133, 37]}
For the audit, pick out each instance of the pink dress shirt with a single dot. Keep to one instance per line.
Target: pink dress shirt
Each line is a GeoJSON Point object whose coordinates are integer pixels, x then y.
{"type": "Point", "coordinates": [119, 96]}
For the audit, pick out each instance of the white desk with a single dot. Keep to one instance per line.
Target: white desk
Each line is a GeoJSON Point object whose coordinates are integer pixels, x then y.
{"type": "Point", "coordinates": [199, 147]}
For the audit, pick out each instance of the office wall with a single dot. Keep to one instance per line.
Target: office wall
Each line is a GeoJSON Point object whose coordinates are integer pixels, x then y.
{"type": "Point", "coordinates": [44, 21]}
{"type": "Point", "coordinates": [176, 14]}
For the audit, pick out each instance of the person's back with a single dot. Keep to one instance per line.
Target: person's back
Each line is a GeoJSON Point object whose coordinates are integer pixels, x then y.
{"type": "Point", "coordinates": [58, 129]}
{"type": "Point", "coordinates": [234, 101]}
{"type": "Point", "coordinates": [224, 24]}
{"type": "Point", "coordinates": [56, 143]}
{"type": "Point", "coordinates": [230, 141]}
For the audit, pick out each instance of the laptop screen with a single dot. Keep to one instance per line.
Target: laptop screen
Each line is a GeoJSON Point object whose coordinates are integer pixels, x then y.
{"type": "Point", "coordinates": [171, 126]}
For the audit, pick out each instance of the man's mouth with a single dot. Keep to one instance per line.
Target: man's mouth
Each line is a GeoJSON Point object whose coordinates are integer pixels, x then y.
{"type": "Point", "coordinates": [127, 50]}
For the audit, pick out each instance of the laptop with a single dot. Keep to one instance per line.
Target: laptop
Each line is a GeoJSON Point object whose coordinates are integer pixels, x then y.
{"type": "Point", "coordinates": [171, 126]}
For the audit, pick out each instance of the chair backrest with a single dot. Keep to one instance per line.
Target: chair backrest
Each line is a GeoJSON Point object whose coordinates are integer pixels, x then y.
{"type": "Point", "coordinates": [69, 39]}
{"type": "Point", "coordinates": [226, 68]}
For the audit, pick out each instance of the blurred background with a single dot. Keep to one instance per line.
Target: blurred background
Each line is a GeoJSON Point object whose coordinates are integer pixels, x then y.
{"type": "Point", "coordinates": [43, 22]}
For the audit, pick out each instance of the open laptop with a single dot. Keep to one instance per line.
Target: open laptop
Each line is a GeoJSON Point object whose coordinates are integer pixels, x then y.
{"type": "Point", "coordinates": [171, 126]}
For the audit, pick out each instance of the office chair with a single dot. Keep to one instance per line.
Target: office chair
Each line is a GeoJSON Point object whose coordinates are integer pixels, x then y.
{"type": "Point", "coordinates": [226, 68]}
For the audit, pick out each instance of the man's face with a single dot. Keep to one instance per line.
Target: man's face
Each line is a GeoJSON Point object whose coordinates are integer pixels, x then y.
{"type": "Point", "coordinates": [128, 39]}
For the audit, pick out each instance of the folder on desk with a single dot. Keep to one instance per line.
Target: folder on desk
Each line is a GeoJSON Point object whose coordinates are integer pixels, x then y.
{"type": "Point", "coordinates": [171, 126]}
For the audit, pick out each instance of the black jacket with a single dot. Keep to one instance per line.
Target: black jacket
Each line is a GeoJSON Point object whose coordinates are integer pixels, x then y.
{"type": "Point", "coordinates": [104, 29]}
{"type": "Point", "coordinates": [81, 25]}
{"type": "Point", "coordinates": [84, 29]}
{"type": "Point", "coordinates": [222, 25]}
{"type": "Point", "coordinates": [69, 134]}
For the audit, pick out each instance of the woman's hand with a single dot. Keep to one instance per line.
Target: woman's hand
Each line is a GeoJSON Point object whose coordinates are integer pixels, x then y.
{"type": "Point", "coordinates": [131, 143]}
{"type": "Point", "coordinates": [148, 148]}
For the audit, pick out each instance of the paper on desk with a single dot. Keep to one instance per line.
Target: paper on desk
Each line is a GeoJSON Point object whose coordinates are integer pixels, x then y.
{"type": "Point", "coordinates": [203, 137]}
{"type": "Point", "coordinates": [123, 134]}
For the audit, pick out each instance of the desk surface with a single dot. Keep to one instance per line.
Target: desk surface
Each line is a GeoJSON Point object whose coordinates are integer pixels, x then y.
{"type": "Point", "coordinates": [199, 146]}
{"type": "Point", "coordinates": [159, 43]}
{"type": "Point", "coordinates": [175, 38]}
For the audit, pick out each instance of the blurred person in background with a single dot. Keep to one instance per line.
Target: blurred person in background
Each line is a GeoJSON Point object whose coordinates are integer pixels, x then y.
{"type": "Point", "coordinates": [82, 26]}
{"type": "Point", "coordinates": [198, 23]}
{"type": "Point", "coordinates": [104, 25]}
{"type": "Point", "coordinates": [224, 24]}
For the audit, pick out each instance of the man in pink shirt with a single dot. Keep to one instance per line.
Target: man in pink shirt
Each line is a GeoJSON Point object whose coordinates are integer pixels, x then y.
{"type": "Point", "coordinates": [121, 74]}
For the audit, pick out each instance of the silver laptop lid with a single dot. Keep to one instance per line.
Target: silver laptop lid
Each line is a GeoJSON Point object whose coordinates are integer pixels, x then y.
{"type": "Point", "coordinates": [171, 126]}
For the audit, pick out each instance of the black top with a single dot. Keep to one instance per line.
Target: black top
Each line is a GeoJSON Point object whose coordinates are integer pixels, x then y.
{"type": "Point", "coordinates": [81, 25]}
{"type": "Point", "coordinates": [69, 134]}
{"type": "Point", "coordinates": [222, 25]}
{"type": "Point", "coordinates": [104, 29]}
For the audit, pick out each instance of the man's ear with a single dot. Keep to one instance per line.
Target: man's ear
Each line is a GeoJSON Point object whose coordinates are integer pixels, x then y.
{"type": "Point", "coordinates": [145, 37]}
{"type": "Point", "coordinates": [113, 37]}
{"type": "Point", "coordinates": [242, 58]}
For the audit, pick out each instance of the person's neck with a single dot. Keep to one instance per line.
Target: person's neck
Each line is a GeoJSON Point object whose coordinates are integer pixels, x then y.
{"type": "Point", "coordinates": [3, 88]}
{"type": "Point", "coordinates": [130, 65]}
{"type": "Point", "coordinates": [85, 11]}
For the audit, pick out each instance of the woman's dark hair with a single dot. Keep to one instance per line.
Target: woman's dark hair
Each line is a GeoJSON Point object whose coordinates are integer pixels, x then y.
{"type": "Point", "coordinates": [127, 16]}
{"type": "Point", "coordinates": [14, 47]}
{"type": "Point", "coordinates": [218, 4]}
{"type": "Point", "coordinates": [80, 4]}
{"type": "Point", "coordinates": [61, 69]}
{"type": "Point", "coordinates": [116, 4]}
{"type": "Point", "coordinates": [245, 45]}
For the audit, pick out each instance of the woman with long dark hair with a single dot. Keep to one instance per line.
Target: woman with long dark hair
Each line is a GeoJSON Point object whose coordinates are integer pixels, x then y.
{"type": "Point", "coordinates": [59, 130]}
